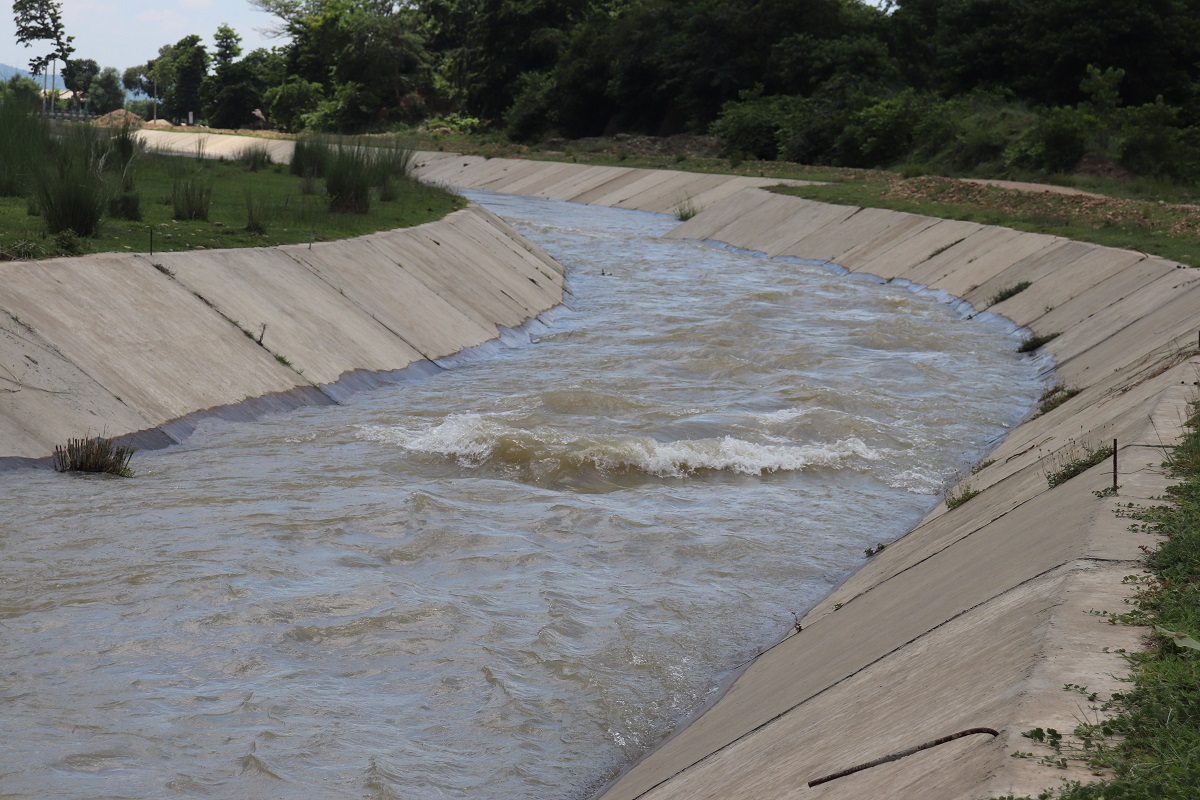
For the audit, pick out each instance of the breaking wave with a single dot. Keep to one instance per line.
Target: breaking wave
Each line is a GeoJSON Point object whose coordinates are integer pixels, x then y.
{"type": "Point", "coordinates": [475, 440]}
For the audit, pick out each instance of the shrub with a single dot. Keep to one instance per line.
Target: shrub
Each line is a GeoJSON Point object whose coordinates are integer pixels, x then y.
{"type": "Point", "coordinates": [753, 125]}
{"type": "Point", "coordinates": [884, 132]}
{"type": "Point", "coordinates": [1055, 143]}
{"type": "Point", "coordinates": [289, 102]}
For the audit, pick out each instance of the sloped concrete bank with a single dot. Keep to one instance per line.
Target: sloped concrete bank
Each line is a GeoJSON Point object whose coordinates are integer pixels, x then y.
{"type": "Point", "coordinates": [981, 615]}
{"type": "Point", "coordinates": [142, 347]}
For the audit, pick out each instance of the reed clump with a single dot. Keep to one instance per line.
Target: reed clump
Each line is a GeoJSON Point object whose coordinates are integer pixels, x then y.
{"type": "Point", "coordinates": [94, 454]}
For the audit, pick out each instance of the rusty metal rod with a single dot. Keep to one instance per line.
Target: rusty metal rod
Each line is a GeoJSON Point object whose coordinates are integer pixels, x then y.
{"type": "Point", "coordinates": [902, 754]}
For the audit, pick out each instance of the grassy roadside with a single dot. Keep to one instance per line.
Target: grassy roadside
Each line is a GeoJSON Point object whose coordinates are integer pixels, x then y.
{"type": "Point", "coordinates": [1152, 743]}
{"type": "Point", "coordinates": [1147, 216]}
{"type": "Point", "coordinates": [248, 205]}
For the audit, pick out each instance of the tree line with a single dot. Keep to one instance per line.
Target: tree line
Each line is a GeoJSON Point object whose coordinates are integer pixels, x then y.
{"type": "Point", "coordinates": [985, 85]}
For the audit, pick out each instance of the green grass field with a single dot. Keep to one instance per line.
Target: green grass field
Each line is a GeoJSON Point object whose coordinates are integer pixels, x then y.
{"type": "Point", "coordinates": [287, 209]}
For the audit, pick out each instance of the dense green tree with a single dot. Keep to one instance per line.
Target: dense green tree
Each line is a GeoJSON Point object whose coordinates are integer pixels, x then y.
{"type": "Point", "coordinates": [106, 93]}
{"type": "Point", "coordinates": [78, 75]}
{"type": "Point", "coordinates": [187, 68]}
{"type": "Point", "coordinates": [229, 94]}
{"type": "Point", "coordinates": [368, 58]}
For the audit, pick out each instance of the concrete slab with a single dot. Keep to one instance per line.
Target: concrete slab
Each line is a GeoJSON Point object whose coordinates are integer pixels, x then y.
{"type": "Point", "coordinates": [712, 219]}
{"type": "Point", "coordinates": [997, 259]}
{"type": "Point", "coordinates": [1098, 291]}
{"type": "Point", "coordinates": [617, 179]}
{"type": "Point", "coordinates": [45, 399]}
{"type": "Point", "coordinates": [960, 257]}
{"type": "Point", "coordinates": [830, 242]}
{"type": "Point", "coordinates": [1062, 285]}
{"type": "Point", "coordinates": [585, 179]}
{"type": "Point", "coordinates": [902, 228]}
{"type": "Point", "coordinates": [915, 250]}
{"type": "Point", "coordinates": [308, 321]}
{"type": "Point", "coordinates": [1031, 268]}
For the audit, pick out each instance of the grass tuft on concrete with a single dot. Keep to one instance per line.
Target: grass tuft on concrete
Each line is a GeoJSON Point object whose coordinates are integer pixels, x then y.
{"type": "Point", "coordinates": [94, 454]}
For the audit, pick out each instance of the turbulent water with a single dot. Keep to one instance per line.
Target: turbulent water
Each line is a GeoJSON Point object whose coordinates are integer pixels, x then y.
{"type": "Point", "coordinates": [504, 581]}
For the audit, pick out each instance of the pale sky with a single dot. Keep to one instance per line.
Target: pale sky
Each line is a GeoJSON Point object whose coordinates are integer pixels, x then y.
{"type": "Point", "coordinates": [123, 33]}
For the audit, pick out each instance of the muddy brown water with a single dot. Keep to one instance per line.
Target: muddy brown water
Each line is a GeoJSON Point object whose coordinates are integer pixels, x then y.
{"type": "Point", "coordinates": [504, 581]}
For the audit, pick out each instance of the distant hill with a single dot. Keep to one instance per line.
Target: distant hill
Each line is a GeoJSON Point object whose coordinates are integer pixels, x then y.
{"type": "Point", "coordinates": [7, 72]}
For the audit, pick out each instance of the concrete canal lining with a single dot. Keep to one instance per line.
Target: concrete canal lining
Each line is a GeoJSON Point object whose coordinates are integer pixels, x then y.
{"type": "Point", "coordinates": [977, 618]}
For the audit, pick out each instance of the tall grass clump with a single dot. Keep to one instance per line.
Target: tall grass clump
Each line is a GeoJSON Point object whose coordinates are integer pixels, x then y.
{"type": "Point", "coordinates": [123, 148]}
{"type": "Point", "coordinates": [24, 142]}
{"type": "Point", "coordinates": [94, 454]}
{"type": "Point", "coordinates": [71, 192]}
{"type": "Point", "coordinates": [255, 157]}
{"type": "Point", "coordinates": [393, 156]}
{"type": "Point", "coordinates": [258, 214]}
{"type": "Point", "coordinates": [191, 196]}
{"type": "Point", "coordinates": [309, 156]}
{"type": "Point", "coordinates": [350, 173]}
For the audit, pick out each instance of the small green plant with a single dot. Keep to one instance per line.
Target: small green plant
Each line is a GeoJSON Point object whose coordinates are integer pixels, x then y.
{"type": "Point", "coordinates": [686, 209]}
{"type": "Point", "coordinates": [982, 465]}
{"type": "Point", "coordinates": [1075, 459]}
{"type": "Point", "coordinates": [871, 551]}
{"type": "Point", "coordinates": [956, 499]}
{"type": "Point", "coordinates": [1035, 341]}
{"type": "Point", "coordinates": [1055, 396]}
{"type": "Point", "coordinates": [1012, 291]}
{"type": "Point", "coordinates": [281, 359]}
{"type": "Point", "coordinates": [94, 454]}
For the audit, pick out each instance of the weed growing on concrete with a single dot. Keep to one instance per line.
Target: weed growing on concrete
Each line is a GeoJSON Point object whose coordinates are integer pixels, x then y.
{"type": "Point", "coordinates": [1075, 459]}
{"type": "Point", "coordinates": [94, 454]}
{"type": "Point", "coordinates": [956, 499]}
{"type": "Point", "coordinates": [686, 209]}
{"type": "Point", "coordinates": [1055, 396]}
{"type": "Point", "coordinates": [1034, 341]}
{"type": "Point", "coordinates": [982, 465]}
{"type": "Point", "coordinates": [1012, 291]}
